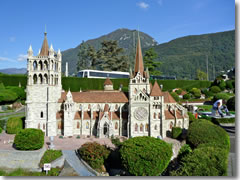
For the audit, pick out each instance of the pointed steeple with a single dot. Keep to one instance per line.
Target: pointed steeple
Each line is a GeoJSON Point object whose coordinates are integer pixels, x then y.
{"type": "Point", "coordinates": [30, 51]}
{"type": "Point", "coordinates": [139, 67]}
{"type": "Point", "coordinates": [44, 50]}
{"type": "Point", "coordinates": [156, 91]}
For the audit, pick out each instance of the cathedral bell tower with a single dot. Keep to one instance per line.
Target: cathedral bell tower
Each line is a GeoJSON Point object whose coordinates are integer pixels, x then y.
{"type": "Point", "coordinates": [139, 90]}
{"type": "Point", "coordinates": [43, 88]}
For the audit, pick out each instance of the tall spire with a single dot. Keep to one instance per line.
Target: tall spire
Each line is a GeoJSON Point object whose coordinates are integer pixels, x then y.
{"type": "Point", "coordinates": [44, 50]}
{"type": "Point", "coordinates": [139, 67]}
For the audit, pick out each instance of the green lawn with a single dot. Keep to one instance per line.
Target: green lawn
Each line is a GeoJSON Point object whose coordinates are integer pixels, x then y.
{"type": "Point", "coordinates": [22, 172]}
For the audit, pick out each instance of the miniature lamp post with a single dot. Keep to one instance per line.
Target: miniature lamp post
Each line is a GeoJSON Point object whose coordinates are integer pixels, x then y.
{"type": "Point", "coordinates": [51, 142]}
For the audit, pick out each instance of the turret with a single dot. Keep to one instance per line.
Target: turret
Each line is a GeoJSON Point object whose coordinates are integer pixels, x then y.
{"type": "Point", "coordinates": [30, 51]}
{"type": "Point", "coordinates": [51, 51]}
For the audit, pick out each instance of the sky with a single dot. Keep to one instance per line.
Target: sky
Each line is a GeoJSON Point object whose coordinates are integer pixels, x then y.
{"type": "Point", "coordinates": [68, 22]}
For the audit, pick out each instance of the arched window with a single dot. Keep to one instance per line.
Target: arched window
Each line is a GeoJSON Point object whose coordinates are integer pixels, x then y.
{"type": "Point", "coordinates": [171, 125]}
{"type": "Point", "coordinates": [154, 116]}
{"type": "Point", "coordinates": [45, 79]}
{"type": "Point", "coordinates": [35, 65]}
{"type": "Point", "coordinates": [159, 115]}
{"type": "Point", "coordinates": [87, 125]}
{"type": "Point", "coordinates": [51, 79]}
{"type": "Point", "coordinates": [44, 126]}
{"type": "Point", "coordinates": [45, 65]}
{"type": "Point", "coordinates": [40, 79]}
{"type": "Point", "coordinates": [34, 79]}
{"type": "Point", "coordinates": [135, 91]}
{"type": "Point", "coordinates": [146, 127]}
{"type": "Point", "coordinates": [116, 125]}
{"type": "Point", "coordinates": [52, 65]}
{"type": "Point", "coordinates": [41, 114]}
{"type": "Point", "coordinates": [38, 125]}
{"type": "Point", "coordinates": [40, 65]}
{"type": "Point", "coordinates": [136, 127]}
{"type": "Point", "coordinates": [78, 125]}
{"type": "Point", "coordinates": [155, 127]}
{"type": "Point", "coordinates": [141, 127]}
{"type": "Point", "coordinates": [116, 107]}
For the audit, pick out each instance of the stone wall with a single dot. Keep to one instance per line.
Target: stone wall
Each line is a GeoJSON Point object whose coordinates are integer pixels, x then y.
{"type": "Point", "coordinates": [13, 159]}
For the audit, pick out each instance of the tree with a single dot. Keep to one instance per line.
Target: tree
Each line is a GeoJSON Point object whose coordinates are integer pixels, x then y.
{"type": "Point", "coordinates": [83, 59]}
{"type": "Point", "coordinates": [110, 57]}
{"type": "Point", "coordinates": [201, 75]}
{"type": "Point", "coordinates": [149, 61]}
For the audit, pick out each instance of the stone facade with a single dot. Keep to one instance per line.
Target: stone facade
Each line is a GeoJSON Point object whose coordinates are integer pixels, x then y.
{"type": "Point", "coordinates": [145, 111]}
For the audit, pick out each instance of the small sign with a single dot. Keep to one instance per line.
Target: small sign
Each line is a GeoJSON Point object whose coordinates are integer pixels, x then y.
{"type": "Point", "coordinates": [47, 167]}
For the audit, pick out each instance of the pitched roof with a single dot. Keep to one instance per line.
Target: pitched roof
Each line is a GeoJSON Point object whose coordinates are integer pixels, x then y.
{"type": "Point", "coordinates": [139, 59]}
{"type": "Point", "coordinates": [108, 82]}
{"type": "Point", "coordinates": [96, 97]}
{"type": "Point", "coordinates": [44, 50]}
{"type": "Point", "coordinates": [170, 115]}
{"type": "Point", "coordinates": [156, 91]}
{"type": "Point", "coordinates": [168, 98]}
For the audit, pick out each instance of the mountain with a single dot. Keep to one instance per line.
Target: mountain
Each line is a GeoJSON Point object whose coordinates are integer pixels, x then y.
{"type": "Point", "coordinates": [14, 71]}
{"type": "Point", "coordinates": [183, 56]}
{"type": "Point", "coordinates": [124, 37]}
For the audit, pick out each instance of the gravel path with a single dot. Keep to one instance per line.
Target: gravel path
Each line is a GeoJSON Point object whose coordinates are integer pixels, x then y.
{"type": "Point", "coordinates": [75, 163]}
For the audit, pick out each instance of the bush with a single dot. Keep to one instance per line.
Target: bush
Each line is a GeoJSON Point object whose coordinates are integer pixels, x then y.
{"type": "Point", "coordinates": [222, 85]}
{"type": "Point", "coordinates": [196, 92]}
{"type": "Point", "coordinates": [224, 120]}
{"type": "Point", "coordinates": [191, 117]}
{"type": "Point", "coordinates": [187, 96]}
{"type": "Point", "coordinates": [145, 156]}
{"type": "Point", "coordinates": [14, 125]}
{"type": "Point", "coordinates": [207, 161]}
{"type": "Point", "coordinates": [179, 91]}
{"type": "Point", "coordinates": [116, 142]}
{"type": "Point", "coordinates": [203, 131]}
{"type": "Point", "coordinates": [29, 139]}
{"type": "Point", "coordinates": [0, 130]}
{"type": "Point", "coordinates": [175, 96]}
{"type": "Point", "coordinates": [2, 123]}
{"type": "Point", "coordinates": [94, 154]}
{"type": "Point", "coordinates": [231, 104]}
{"type": "Point", "coordinates": [215, 89]}
{"type": "Point", "coordinates": [176, 132]}
{"type": "Point", "coordinates": [49, 156]}
{"type": "Point", "coordinates": [221, 96]}
{"type": "Point", "coordinates": [229, 84]}
{"type": "Point", "coordinates": [207, 93]}
{"type": "Point", "coordinates": [7, 96]}
{"type": "Point", "coordinates": [185, 150]}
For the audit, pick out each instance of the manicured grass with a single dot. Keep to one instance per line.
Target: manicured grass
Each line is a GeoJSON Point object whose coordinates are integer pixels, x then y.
{"type": "Point", "coordinates": [49, 156]}
{"type": "Point", "coordinates": [205, 107]}
{"type": "Point", "coordinates": [22, 172]}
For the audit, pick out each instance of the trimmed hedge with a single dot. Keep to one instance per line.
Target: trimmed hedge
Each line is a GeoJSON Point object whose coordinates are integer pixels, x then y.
{"type": "Point", "coordinates": [203, 131]}
{"type": "Point", "coordinates": [176, 132]}
{"type": "Point", "coordinates": [145, 156]}
{"type": "Point", "coordinates": [196, 92]}
{"type": "Point", "coordinates": [223, 120]}
{"type": "Point", "coordinates": [185, 150]}
{"type": "Point", "coordinates": [215, 89]}
{"type": "Point", "coordinates": [94, 154]}
{"type": "Point", "coordinates": [0, 130]}
{"type": "Point", "coordinates": [29, 139]}
{"type": "Point", "coordinates": [175, 96]}
{"type": "Point", "coordinates": [187, 96]}
{"type": "Point", "coordinates": [231, 104]}
{"type": "Point", "coordinates": [205, 161]}
{"type": "Point", "coordinates": [191, 117]}
{"type": "Point", "coordinates": [14, 125]}
{"type": "Point", "coordinates": [221, 96]}
{"type": "Point", "coordinates": [49, 156]}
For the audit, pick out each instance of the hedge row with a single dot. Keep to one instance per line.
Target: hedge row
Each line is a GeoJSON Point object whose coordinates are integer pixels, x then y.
{"type": "Point", "coordinates": [14, 125]}
{"type": "Point", "coordinates": [75, 83]}
{"type": "Point", "coordinates": [49, 156]}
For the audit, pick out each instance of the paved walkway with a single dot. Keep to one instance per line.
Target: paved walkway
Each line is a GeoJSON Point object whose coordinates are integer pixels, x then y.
{"type": "Point", "coordinates": [231, 164]}
{"type": "Point", "coordinates": [20, 110]}
{"type": "Point", "coordinates": [76, 164]}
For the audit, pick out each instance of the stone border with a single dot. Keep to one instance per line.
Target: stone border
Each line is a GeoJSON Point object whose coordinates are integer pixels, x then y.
{"type": "Point", "coordinates": [227, 124]}
{"type": "Point", "coordinates": [88, 166]}
{"type": "Point", "coordinates": [59, 162]}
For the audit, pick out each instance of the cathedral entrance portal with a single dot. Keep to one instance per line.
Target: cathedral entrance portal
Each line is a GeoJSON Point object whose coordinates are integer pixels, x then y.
{"type": "Point", "coordinates": [106, 129]}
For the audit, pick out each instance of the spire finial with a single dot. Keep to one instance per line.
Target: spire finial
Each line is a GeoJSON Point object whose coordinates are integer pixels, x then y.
{"type": "Point", "coordinates": [45, 33]}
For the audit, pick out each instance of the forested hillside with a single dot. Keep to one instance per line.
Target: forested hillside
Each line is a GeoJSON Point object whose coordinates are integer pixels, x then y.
{"type": "Point", "coordinates": [183, 56]}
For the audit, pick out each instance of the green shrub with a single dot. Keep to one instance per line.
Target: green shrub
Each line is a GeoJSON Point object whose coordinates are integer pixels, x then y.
{"type": "Point", "coordinates": [185, 150]}
{"type": "Point", "coordinates": [229, 84]}
{"type": "Point", "coordinates": [49, 156]}
{"type": "Point", "coordinates": [145, 156]}
{"type": "Point", "coordinates": [29, 139]}
{"type": "Point", "coordinates": [203, 131]}
{"type": "Point", "coordinates": [191, 117]}
{"type": "Point", "coordinates": [14, 125]}
{"type": "Point", "coordinates": [176, 132]}
{"type": "Point", "coordinates": [94, 154]}
{"type": "Point", "coordinates": [2, 123]}
{"type": "Point", "coordinates": [207, 161]}
{"type": "Point", "coordinates": [215, 89]}
{"type": "Point", "coordinates": [187, 96]}
{"type": "Point", "coordinates": [196, 92]}
{"type": "Point", "coordinates": [221, 96]}
{"type": "Point", "coordinates": [0, 130]}
{"type": "Point", "coordinates": [116, 141]}
{"type": "Point", "coordinates": [7, 96]}
{"type": "Point", "coordinates": [17, 90]}
{"type": "Point", "coordinates": [231, 104]}
{"type": "Point", "coordinates": [179, 91]}
{"type": "Point", "coordinates": [224, 120]}
{"type": "Point", "coordinates": [222, 85]}
{"type": "Point", "coordinates": [207, 93]}
{"type": "Point", "coordinates": [175, 96]}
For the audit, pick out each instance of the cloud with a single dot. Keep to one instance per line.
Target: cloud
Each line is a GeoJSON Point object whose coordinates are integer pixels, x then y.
{"type": "Point", "coordinates": [143, 5]}
{"type": "Point", "coordinates": [160, 2]}
{"type": "Point", "coordinates": [22, 57]}
{"type": "Point", "coordinates": [12, 39]}
{"type": "Point", "coordinates": [6, 59]}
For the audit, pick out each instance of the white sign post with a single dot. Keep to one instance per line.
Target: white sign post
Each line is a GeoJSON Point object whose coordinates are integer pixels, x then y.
{"type": "Point", "coordinates": [47, 167]}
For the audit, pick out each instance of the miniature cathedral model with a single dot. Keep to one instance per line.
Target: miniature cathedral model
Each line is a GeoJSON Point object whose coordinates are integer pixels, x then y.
{"type": "Point", "coordinates": [145, 111]}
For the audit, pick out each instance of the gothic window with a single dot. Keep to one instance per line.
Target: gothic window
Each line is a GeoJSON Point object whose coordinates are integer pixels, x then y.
{"type": "Point", "coordinates": [154, 116]}
{"type": "Point", "coordinates": [40, 65]}
{"type": "Point", "coordinates": [34, 65]}
{"type": "Point", "coordinates": [45, 79]}
{"type": "Point", "coordinates": [34, 79]}
{"type": "Point", "coordinates": [40, 79]}
{"type": "Point", "coordinates": [45, 65]}
{"type": "Point", "coordinates": [116, 107]}
{"type": "Point", "coordinates": [51, 79]}
{"type": "Point", "coordinates": [136, 127]}
{"type": "Point", "coordinates": [141, 127]}
{"type": "Point", "coordinates": [44, 126]}
{"type": "Point", "coordinates": [78, 125]}
{"type": "Point", "coordinates": [38, 125]}
{"type": "Point", "coordinates": [135, 91]}
{"type": "Point", "coordinates": [125, 126]}
{"type": "Point", "coordinates": [116, 125]}
{"type": "Point", "coordinates": [146, 127]}
{"type": "Point", "coordinates": [87, 125]}
{"type": "Point", "coordinates": [52, 65]}
{"type": "Point", "coordinates": [171, 125]}
{"type": "Point", "coordinates": [159, 115]}
{"type": "Point", "coordinates": [155, 127]}
{"type": "Point", "coordinates": [41, 115]}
